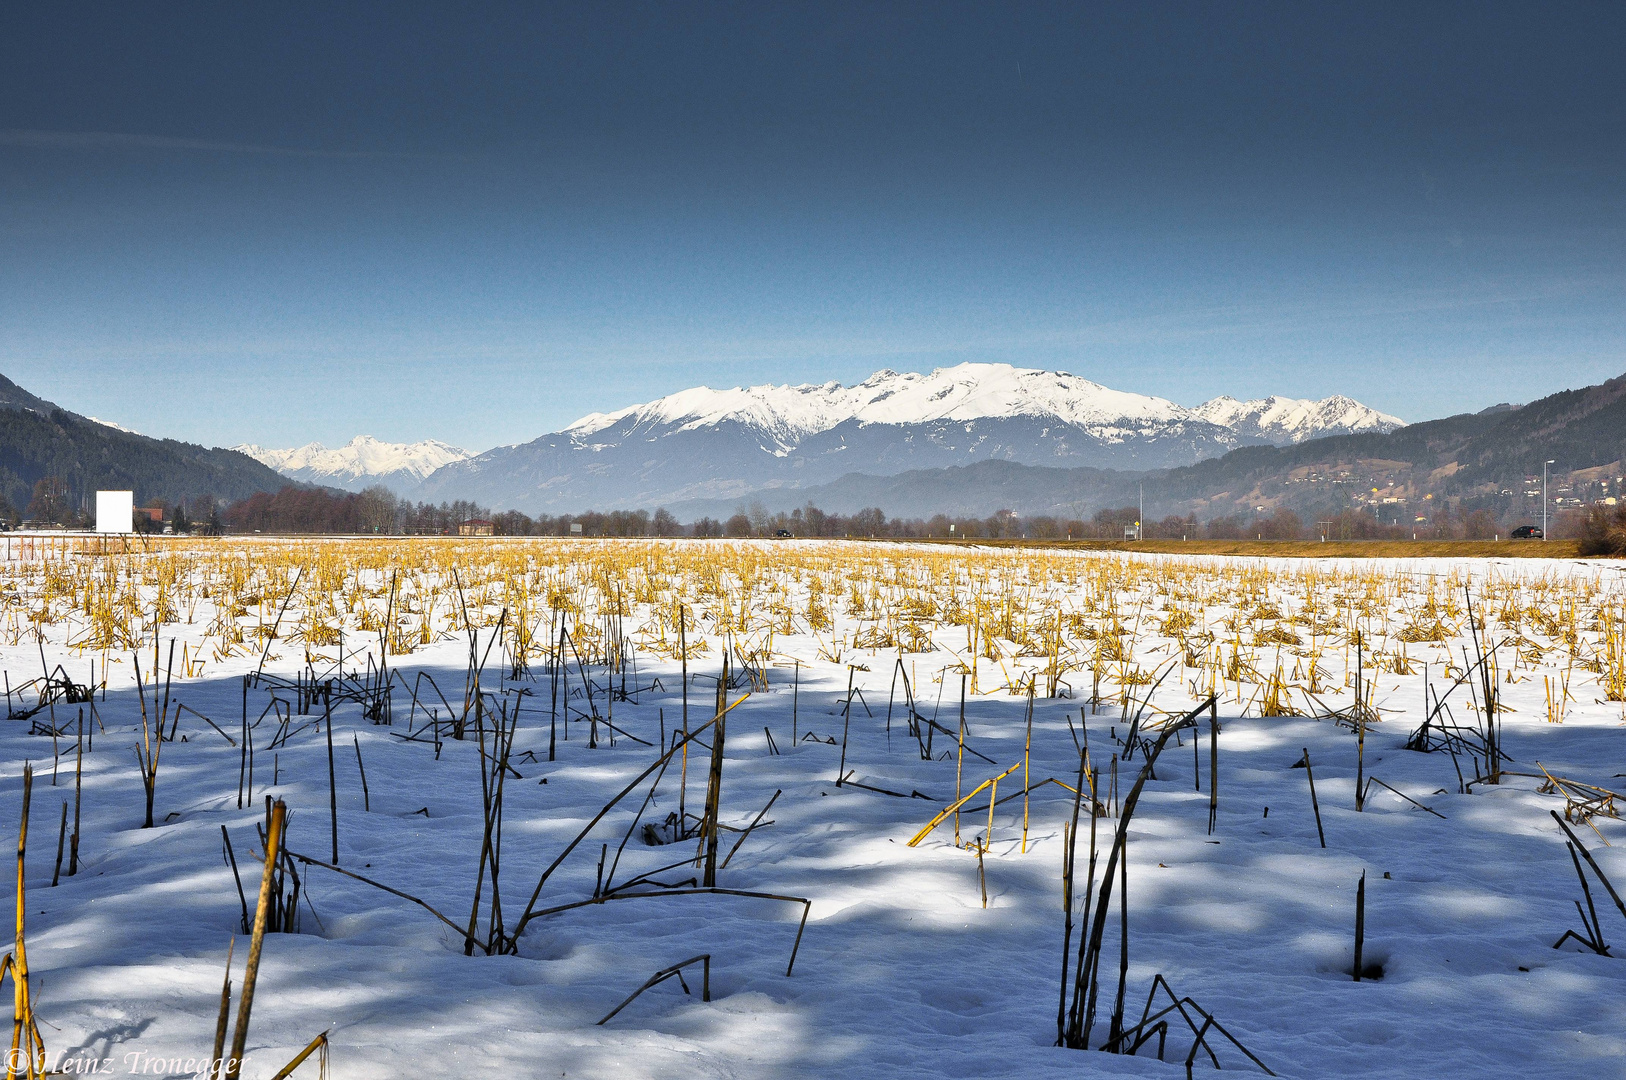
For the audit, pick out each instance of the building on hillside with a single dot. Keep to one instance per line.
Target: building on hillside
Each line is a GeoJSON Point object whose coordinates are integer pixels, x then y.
{"type": "Point", "coordinates": [475, 527]}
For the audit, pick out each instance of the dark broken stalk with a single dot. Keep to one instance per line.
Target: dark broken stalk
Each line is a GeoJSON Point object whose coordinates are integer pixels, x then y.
{"type": "Point", "coordinates": [959, 761]}
{"type": "Point", "coordinates": [169, 677]}
{"type": "Point", "coordinates": [530, 911]}
{"type": "Point", "coordinates": [366, 800]}
{"type": "Point", "coordinates": [508, 728]}
{"type": "Point", "coordinates": [1213, 763]}
{"type": "Point", "coordinates": [474, 644]}
{"type": "Point", "coordinates": [61, 839]}
{"type": "Point", "coordinates": [1370, 780]}
{"type": "Point", "coordinates": [242, 763]}
{"type": "Point", "coordinates": [1314, 805]}
{"type": "Point", "coordinates": [554, 659]}
{"type": "Point", "coordinates": [846, 721]}
{"type": "Point", "coordinates": [493, 776]}
{"type": "Point", "coordinates": [676, 970]}
{"type": "Point", "coordinates": [1069, 854]}
{"type": "Point", "coordinates": [587, 688]}
{"type": "Point", "coordinates": [56, 751]}
{"type": "Point", "coordinates": [892, 693]}
{"type": "Point", "coordinates": [1493, 753]}
{"type": "Point", "coordinates": [1360, 734]}
{"type": "Point", "coordinates": [807, 907]}
{"type": "Point", "coordinates": [1086, 981]}
{"type": "Point", "coordinates": [231, 857]}
{"type": "Point", "coordinates": [277, 624]}
{"type": "Point", "coordinates": [332, 781]}
{"type": "Point", "coordinates": [1152, 1024]}
{"type": "Point", "coordinates": [918, 724]}
{"type": "Point", "coordinates": [222, 1021]}
{"type": "Point", "coordinates": [1116, 1026]}
{"type": "Point", "coordinates": [714, 785]}
{"type": "Point", "coordinates": [78, 787]}
{"type": "Point", "coordinates": [308, 861]}
{"type": "Point", "coordinates": [748, 829]}
{"type": "Point", "coordinates": [152, 742]}
{"type": "Point", "coordinates": [1196, 763]}
{"type": "Point", "coordinates": [683, 765]}
{"type": "Point", "coordinates": [635, 819]}
{"type": "Point", "coordinates": [485, 839]}
{"type": "Point", "coordinates": [249, 791]}
{"type": "Point", "coordinates": [1027, 750]}
{"type": "Point", "coordinates": [1360, 923]}
{"type": "Point", "coordinates": [1589, 914]}
{"type": "Point", "coordinates": [1587, 855]}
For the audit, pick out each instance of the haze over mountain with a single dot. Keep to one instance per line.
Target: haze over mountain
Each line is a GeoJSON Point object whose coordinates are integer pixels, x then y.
{"type": "Point", "coordinates": [359, 463]}
{"type": "Point", "coordinates": [718, 444]}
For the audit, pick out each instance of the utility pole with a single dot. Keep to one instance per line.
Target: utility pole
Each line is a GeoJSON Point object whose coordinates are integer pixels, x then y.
{"type": "Point", "coordinates": [1544, 465]}
{"type": "Point", "coordinates": [1140, 524]}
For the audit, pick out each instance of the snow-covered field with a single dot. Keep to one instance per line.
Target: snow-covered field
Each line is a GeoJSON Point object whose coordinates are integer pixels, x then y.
{"type": "Point", "coordinates": [902, 970]}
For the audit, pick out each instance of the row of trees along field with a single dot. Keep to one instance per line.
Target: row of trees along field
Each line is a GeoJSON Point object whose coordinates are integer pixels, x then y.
{"type": "Point", "coordinates": [378, 511]}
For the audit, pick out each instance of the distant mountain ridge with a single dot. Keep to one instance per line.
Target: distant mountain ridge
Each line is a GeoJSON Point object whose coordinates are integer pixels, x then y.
{"type": "Point", "coordinates": [14, 398]}
{"type": "Point", "coordinates": [39, 439]}
{"type": "Point", "coordinates": [1487, 458]}
{"type": "Point", "coordinates": [359, 463]}
{"type": "Point", "coordinates": [704, 443]}
{"type": "Point", "coordinates": [1282, 421]}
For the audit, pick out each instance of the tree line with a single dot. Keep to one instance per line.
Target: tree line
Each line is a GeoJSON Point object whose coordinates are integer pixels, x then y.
{"type": "Point", "coordinates": [378, 511]}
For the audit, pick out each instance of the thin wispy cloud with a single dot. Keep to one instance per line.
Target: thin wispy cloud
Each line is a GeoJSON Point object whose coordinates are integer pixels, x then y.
{"type": "Point", "coordinates": [123, 140]}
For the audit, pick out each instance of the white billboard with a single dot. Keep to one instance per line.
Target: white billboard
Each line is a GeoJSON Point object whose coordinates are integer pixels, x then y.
{"type": "Point", "coordinates": [115, 511]}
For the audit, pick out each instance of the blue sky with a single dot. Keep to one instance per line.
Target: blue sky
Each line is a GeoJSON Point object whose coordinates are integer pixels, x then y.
{"type": "Point", "coordinates": [476, 224]}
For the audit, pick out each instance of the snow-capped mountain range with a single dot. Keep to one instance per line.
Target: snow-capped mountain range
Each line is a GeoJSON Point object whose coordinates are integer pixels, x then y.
{"type": "Point", "coordinates": [359, 463]}
{"type": "Point", "coordinates": [706, 443]}
{"type": "Point", "coordinates": [1283, 421]}
{"type": "Point", "coordinates": [791, 414]}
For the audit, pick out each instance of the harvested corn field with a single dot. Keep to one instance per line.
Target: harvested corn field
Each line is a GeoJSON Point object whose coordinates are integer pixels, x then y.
{"type": "Point", "coordinates": [690, 808]}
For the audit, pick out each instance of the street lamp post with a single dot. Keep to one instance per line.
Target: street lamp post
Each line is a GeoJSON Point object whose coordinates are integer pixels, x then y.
{"type": "Point", "coordinates": [1544, 465]}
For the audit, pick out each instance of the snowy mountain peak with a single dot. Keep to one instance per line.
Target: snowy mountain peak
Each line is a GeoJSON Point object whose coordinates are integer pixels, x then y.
{"type": "Point", "coordinates": [360, 462]}
{"type": "Point", "coordinates": [967, 391]}
{"type": "Point", "coordinates": [706, 443]}
{"type": "Point", "coordinates": [116, 427]}
{"type": "Point", "coordinates": [971, 391]}
{"type": "Point", "coordinates": [1293, 420]}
